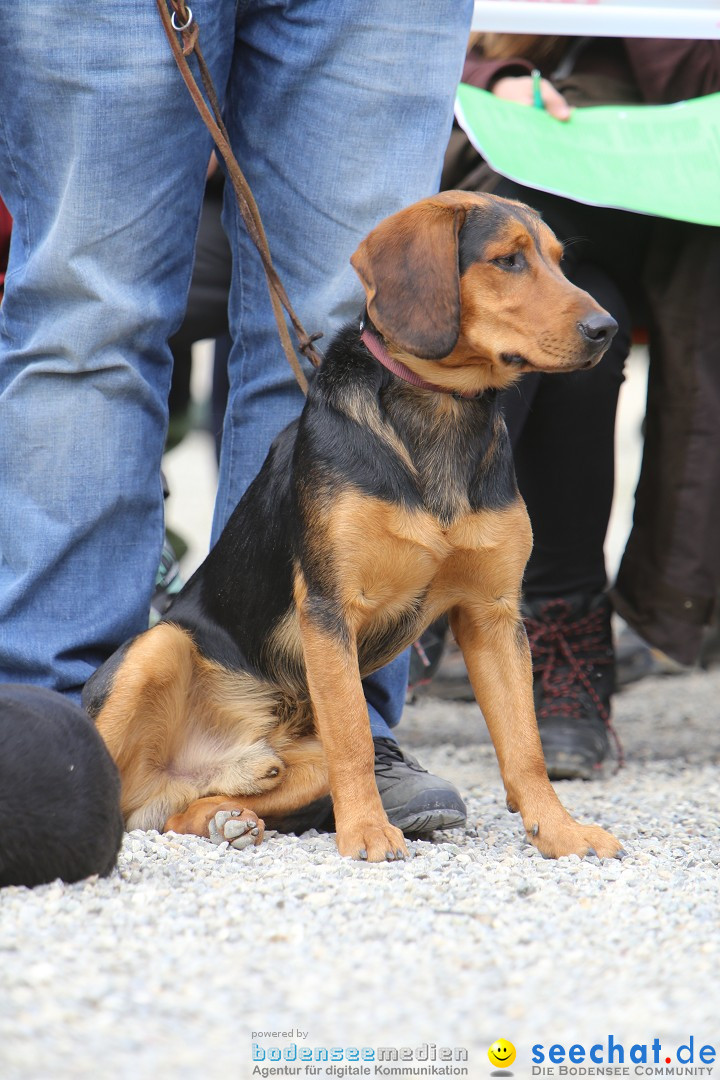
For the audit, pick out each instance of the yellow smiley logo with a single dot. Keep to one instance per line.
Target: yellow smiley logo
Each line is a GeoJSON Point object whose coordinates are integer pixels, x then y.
{"type": "Point", "coordinates": [501, 1053]}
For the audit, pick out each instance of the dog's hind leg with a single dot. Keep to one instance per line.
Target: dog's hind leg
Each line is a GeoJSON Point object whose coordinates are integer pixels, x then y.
{"type": "Point", "coordinates": [304, 779]}
{"type": "Point", "coordinates": [143, 712]}
{"type": "Point", "coordinates": [219, 818]}
{"type": "Point", "coordinates": [171, 742]}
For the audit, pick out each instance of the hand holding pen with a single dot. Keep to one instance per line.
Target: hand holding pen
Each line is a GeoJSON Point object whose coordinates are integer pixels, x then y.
{"type": "Point", "coordinates": [535, 91]}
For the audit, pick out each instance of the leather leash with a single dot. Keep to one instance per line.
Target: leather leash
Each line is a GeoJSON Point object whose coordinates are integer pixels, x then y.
{"type": "Point", "coordinates": [181, 22]}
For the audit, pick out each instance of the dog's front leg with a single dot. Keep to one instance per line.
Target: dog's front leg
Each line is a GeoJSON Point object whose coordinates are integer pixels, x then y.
{"type": "Point", "coordinates": [341, 717]}
{"type": "Point", "coordinates": [490, 632]}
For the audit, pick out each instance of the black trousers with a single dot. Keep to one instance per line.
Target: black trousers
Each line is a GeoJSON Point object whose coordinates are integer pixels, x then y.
{"type": "Point", "coordinates": [206, 315]}
{"type": "Point", "coordinates": [563, 426]}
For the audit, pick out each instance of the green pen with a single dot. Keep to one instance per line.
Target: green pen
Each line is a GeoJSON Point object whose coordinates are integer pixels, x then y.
{"type": "Point", "coordinates": [537, 93]}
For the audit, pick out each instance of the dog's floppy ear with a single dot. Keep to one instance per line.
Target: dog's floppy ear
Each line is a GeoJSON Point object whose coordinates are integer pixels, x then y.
{"type": "Point", "coordinates": [408, 265]}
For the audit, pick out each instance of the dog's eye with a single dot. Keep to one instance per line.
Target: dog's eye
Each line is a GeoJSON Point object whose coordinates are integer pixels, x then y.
{"type": "Point", "coordinates": [515, 262]}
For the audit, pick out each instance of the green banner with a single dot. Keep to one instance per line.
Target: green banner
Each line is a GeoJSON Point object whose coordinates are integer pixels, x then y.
{"type": "Point", "coordinates": [653, 159]}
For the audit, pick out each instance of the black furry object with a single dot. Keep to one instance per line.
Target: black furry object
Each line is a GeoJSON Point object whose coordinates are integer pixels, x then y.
{"type": "Point", "coordinates": [59, 791]}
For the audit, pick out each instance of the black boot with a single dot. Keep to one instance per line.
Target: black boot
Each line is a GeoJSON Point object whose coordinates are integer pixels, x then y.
{"type": "Point", "coordinates": [426, 654]}
{"type": "Point", "coordinates": [573, 681]}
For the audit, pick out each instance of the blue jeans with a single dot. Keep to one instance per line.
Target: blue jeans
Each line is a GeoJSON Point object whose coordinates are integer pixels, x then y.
{"type": "Point", "coordinates": [339, 112]}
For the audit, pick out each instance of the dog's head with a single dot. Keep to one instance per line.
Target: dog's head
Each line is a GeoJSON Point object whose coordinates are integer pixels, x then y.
{"type": "Point", "coordinates": [468, 292]}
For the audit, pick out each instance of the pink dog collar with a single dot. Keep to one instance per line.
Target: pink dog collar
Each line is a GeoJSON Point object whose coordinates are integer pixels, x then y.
{"type": "Point", "coordinates": [375, 346]}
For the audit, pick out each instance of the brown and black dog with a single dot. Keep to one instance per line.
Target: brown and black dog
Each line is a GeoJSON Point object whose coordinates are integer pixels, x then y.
{"type": "Point", "coordinates": [390, 501]}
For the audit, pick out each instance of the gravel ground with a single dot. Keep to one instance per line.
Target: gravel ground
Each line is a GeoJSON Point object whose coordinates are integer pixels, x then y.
{"type": "Point", "coordinates": [168, 967]}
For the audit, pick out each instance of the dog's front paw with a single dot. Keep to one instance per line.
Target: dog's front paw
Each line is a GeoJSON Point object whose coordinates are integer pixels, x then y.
{"type": "Point", "coordinates": [568, 837]}
{"type": "Point", "coordinates": [371, 842]}
{"type": "Point", "coordinates": [241, 828]}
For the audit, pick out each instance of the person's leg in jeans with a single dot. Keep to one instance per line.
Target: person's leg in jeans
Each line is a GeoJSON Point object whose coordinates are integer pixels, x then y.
{"type": "Point", "coordinates": [339, 113]}
{"type": "Point", "coordinates": [102, 163]}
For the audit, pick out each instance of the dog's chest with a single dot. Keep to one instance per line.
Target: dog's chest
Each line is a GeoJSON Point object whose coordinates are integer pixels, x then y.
{"type": "Point", "coordinates": [411, 569]}
{"type": "Point", "coordinates": [443, 479]}
{"type": "Point", "coordinates": [455, 449]}
{"type": "Point", "coordinates": [388, 556]}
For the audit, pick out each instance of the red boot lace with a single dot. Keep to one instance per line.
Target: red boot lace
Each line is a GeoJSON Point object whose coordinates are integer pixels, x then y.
{"type": "Point", "coordinates": [565, 651]}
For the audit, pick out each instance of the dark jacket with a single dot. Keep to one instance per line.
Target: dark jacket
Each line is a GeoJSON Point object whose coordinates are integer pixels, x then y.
{"type": "Point", "coordinates": [661, 71]}
{"type": "Point", "coordinates": [669, 576]}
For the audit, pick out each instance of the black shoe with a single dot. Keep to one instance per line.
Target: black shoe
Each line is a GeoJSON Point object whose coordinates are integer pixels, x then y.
{"type": "Point", "coordinates": [710, 652]}
{"type": "Point", "coordinates": [451, 681]}
{"type": "Point", "coordinates": [437, 667]}
{"type": "Point", "coordinates": [415, 801]}
{"type": "Point", "coordinates": [573, 681]}
{"type": "Point", "coordinates": [426, 654]}
{"type": "Point", "coordinates": [635, 659]}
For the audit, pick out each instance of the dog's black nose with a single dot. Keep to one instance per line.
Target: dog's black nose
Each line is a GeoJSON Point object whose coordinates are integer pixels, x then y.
{"type": "Point", "coordinates": [598, 329]}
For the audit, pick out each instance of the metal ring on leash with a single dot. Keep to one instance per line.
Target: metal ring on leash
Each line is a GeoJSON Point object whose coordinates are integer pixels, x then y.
{"type": "Point", "coordinates": [181, 28]}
